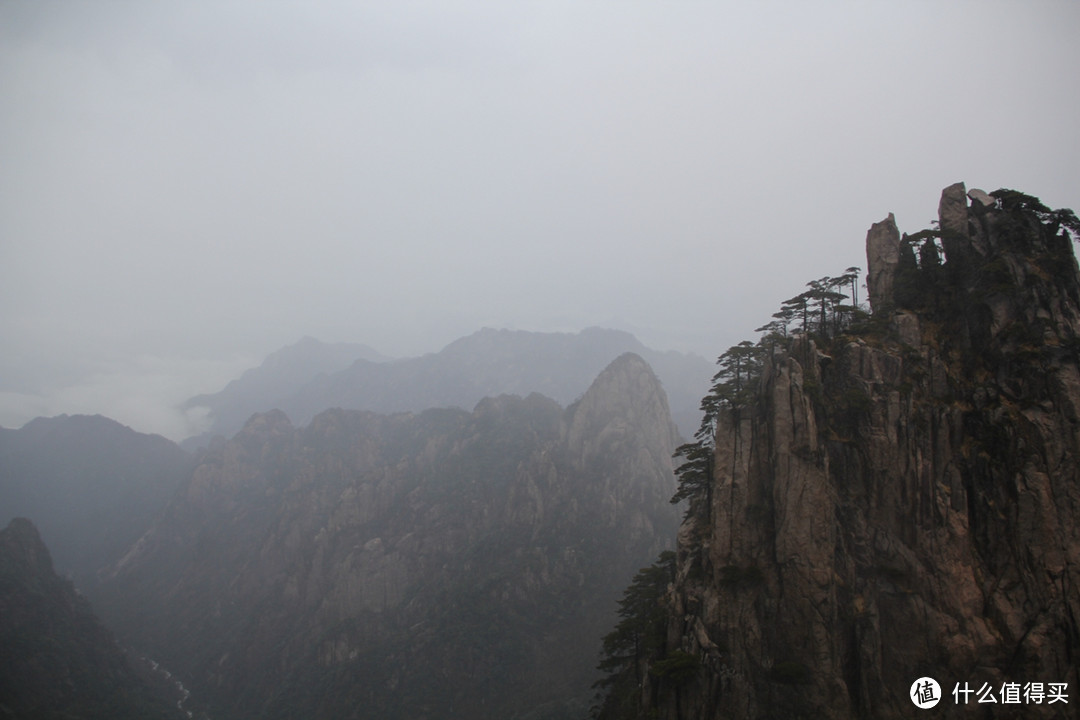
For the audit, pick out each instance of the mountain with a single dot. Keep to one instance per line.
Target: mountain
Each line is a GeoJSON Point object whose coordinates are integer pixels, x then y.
{"type": "Point", "coordinates": [433, 565]}
{"type": "Point", "coordinates": [886, 498]}
{"type": "Point", "coordinates": [91, 485]}
{"type": "Point", "coordinates": [487, 363]}
{"type": "Point", "coordinates": [280, 375]}
{"type": "Point", "coordinates": [56, 659]}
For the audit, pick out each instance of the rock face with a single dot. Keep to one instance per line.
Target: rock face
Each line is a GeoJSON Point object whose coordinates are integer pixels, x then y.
{"type": "Point", "coordinates": [443, 564]}
{"type": "Point", "coordinates": [56, 659]}
{"type": "Point", "coordinates": [901, 500]}
{"type": "Point", "coordinates": [883, 255]}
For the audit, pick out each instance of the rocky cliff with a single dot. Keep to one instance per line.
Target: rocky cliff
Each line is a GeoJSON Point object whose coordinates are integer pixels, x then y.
{"type": "Point", "coordinates": [899, 497]}
{"type": "Point", "coordinates": [446, 563]}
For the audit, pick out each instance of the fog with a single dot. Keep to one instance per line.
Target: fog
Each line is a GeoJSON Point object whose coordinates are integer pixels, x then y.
{"type": "Point", "coordinates": [186, 187]}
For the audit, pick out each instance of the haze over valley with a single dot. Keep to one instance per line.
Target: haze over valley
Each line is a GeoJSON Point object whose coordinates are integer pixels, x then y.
{"type": "Point", "coordinates": [417, 361]}
{"type": "Point", "coordinates": [187, 188]}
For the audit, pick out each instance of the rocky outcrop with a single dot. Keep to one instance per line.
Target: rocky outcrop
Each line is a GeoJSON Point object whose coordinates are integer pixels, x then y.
{"type": "Point", "coordinates": [447, 563]}
{"type": "Point", "coordinates": [900, 500]}
{"type": "Point", "coordinates": [953, 215]}
{"type": "Point", "coordinates": [882, 256]}
{"type": "Point", "coordinates": [56, 659]}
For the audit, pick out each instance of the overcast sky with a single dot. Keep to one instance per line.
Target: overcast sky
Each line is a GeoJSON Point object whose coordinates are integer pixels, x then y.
{"type": "Point", "coordinates": [188, 186]}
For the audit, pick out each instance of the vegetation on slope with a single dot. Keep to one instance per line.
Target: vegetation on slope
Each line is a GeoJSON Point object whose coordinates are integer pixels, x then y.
{"type": "Point", "coordinates": [821, 322]}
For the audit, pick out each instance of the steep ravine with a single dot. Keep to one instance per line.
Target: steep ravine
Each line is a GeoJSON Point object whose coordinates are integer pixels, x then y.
{"type": "Point", "coordinates": [899, 499]}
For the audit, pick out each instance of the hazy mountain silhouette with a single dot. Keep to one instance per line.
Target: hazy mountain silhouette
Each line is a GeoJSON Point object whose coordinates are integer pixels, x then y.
{"type": "Point", "coordinates": [487, 363]}
{"type": "Point", "coordinates": [90, 484]}
{"type": "Point", "coordinates": [279, 376]}
{"type": "Point", "coordinates": [433, 565]}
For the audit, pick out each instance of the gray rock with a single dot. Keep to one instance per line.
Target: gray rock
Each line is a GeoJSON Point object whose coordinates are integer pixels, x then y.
{"type": "Point", "coordinates": [957, 239]}
{"type": "Point", "coordinates": [473, 558]}
{"type": "Point", "coordinates": [908, 328]}
{"type": "Point", "coordinates": [882, 257]}
{"type": "Point", "coordinates": [983, 198]}
{"type": "Point", "coordinates": [910, 509]}
{"type": "Point", "coordinates": [953, 209]}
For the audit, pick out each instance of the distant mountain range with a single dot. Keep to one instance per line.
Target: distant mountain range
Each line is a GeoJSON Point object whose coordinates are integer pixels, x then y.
{"type": "Point", "coordinates": [433, 564]}
{"type": "Point", "coordinates": [309, 377]}
{"type": "Point", "coordinates": [280, 375]}
{"type": "Point", "coordinates": [447, 563]}
{"type": "Point", "coordinates": [90, 484]}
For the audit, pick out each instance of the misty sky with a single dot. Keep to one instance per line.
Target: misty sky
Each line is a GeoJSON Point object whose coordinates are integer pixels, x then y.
{"type": "Point", "coordinates": [188, 186]}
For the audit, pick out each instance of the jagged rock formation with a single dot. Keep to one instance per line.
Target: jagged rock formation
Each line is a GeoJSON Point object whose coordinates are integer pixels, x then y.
{"type": "Point", "coordinates": [882, 257]}
{"type": "Point", "coordinates": [487, 363]}
{"type": "Point", "coordinates": [56, 659]}
{"type": "Point", "coordinates": [901, 499]}
{"type": "Point", "coordinates": [443, 564]}
{"type": "Point", "coordinates": [91, 485]}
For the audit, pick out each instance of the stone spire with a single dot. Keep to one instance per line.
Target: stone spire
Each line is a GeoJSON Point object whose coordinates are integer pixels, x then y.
{"type": "Point", "coordinates": [953, 209]}
{"type": "Point", "coordinates": [882, 257]}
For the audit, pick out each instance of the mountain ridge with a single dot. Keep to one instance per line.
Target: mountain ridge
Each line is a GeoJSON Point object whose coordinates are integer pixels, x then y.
{"type": "Point", "coordinates": [280, 374]}
{"type": "Point", "coordinates": [420, 564]}
{"type": "Point", "coordinates": [884, 498]}
{"type": "Point", "coordinates": [90, 484]}
{"type": "Point", "coordinates": [486, 363]}
{"type": "Point", "coordinates": [56, 659]}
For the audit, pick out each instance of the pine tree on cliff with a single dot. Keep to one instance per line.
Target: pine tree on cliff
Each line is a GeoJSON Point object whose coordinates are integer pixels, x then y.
{"type": "Point", "coordinates": [972, 361]}
{"type": "Point", "coordinates": [733, 389]}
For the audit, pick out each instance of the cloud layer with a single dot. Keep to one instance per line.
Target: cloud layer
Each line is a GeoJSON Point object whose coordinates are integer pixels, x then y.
{"type": "Point", "coordinates": [204, 182]}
